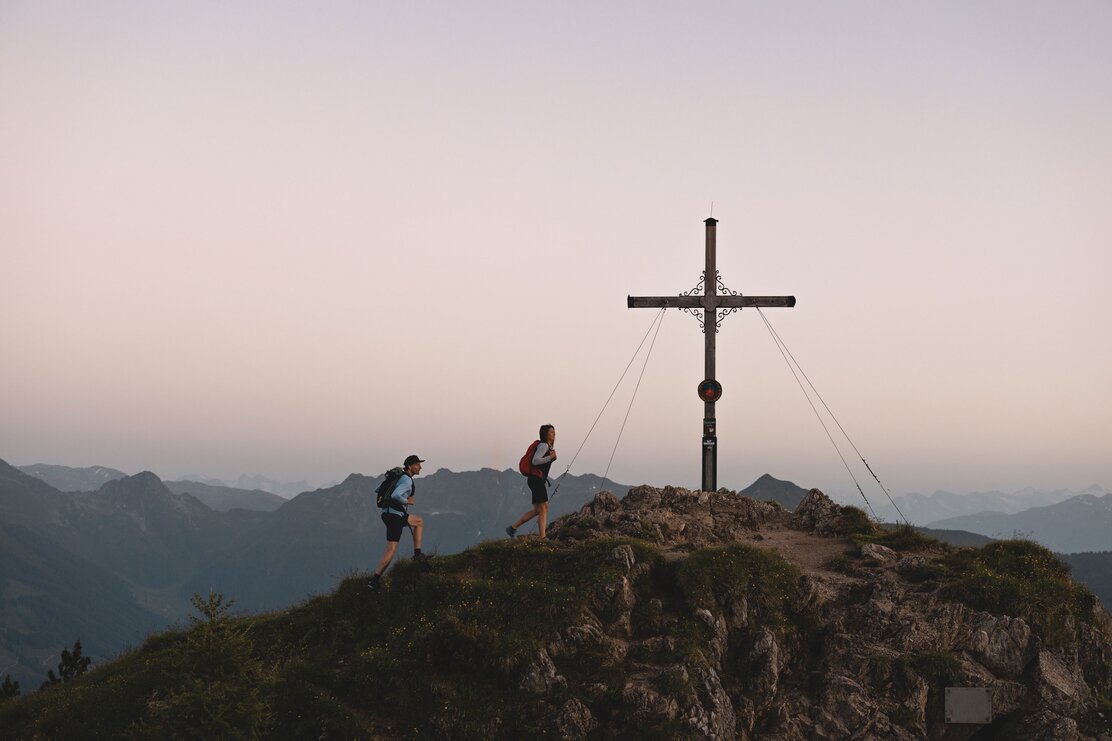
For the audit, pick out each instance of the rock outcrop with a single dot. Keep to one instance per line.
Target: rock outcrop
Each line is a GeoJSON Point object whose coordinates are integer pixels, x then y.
{"type": "Point", "coordinates": [859, 645]}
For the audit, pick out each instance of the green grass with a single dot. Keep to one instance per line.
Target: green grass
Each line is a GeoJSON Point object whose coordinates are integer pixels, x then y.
{"type": "Point", "coordinates": [1019, 578]}
{"type": "Point", "coordinates": [446, 637]}
{"type": "Point", "coordinates": [439, 651]}
{"type": "Point", "coordinates": [715, 578]}
{"type": "Point", "coordinates": [854, 521]}
{"type": "Point", "coordinates": [843, 563]}
{"type": "Point", "coordinates": [902, 537]}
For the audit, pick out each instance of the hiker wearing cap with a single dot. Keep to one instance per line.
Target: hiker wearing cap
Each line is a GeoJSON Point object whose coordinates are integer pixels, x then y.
{"type": "Point", "coordinates": [543, 456]}
{"type": "Point", "coordinates": [396, 517]}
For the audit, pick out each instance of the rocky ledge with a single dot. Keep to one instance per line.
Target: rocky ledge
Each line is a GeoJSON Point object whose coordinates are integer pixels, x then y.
{"type": "Point", "coordinates": [752, 622]}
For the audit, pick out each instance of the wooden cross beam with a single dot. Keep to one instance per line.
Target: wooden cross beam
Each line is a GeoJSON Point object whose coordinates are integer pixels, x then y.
{"type": "Point", "coordinates": [715, 307]}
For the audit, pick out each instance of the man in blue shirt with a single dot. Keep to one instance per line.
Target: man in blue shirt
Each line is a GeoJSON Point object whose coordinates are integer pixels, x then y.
{"type": "Point", "coordinates": [396, 517]}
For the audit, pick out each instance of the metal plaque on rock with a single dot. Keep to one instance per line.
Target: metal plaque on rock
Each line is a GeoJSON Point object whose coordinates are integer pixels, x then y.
{"type": "Point", "coordinates": [969, 705]}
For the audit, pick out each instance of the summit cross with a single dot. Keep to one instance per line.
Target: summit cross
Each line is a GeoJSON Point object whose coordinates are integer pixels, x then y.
{"type": "Point", "coordinates": [716, 302]}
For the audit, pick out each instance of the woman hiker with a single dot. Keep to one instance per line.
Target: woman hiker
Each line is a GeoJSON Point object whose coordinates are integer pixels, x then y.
{"type": "Point", "coordinates": [543, 456]}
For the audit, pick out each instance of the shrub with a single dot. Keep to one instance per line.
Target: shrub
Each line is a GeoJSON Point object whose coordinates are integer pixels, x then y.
{"type": "Point", "coordinates": [854, 521]}
{"type": "Point", "coordinates": [219, 687]}
{"type": "Point", "coordinates": [842, 563]}
{"type": "Point", "coordinates": [902, 537]}
{"type": "Point", "coordinates": [905, 537]}
{"type": "Point", "coordinates": [719, 577]}
{"type": "Point", "coordinates": [1021, 578]}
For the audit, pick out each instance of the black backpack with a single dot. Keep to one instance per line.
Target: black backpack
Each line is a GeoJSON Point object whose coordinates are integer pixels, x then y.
{"type": "Point", "coordinates": [389, 481]}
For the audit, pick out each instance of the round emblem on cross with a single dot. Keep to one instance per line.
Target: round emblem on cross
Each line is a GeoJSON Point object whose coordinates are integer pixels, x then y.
{"type": "Point", "coordinates": [710, 390]}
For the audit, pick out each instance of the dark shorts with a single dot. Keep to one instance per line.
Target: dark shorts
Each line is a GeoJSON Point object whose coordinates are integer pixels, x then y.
{"type": "Point", "coordinates": [537, 487]}
{"type": "Point", "coordinates": [394, 525]}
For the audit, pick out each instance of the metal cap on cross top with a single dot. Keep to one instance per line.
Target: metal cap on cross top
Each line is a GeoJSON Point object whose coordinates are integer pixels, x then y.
{"type": "Point", "coordinates": [716, 302]}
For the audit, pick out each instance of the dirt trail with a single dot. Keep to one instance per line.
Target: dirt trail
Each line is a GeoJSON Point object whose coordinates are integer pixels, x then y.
{"type": "Point", "coordinates": [809, 552]}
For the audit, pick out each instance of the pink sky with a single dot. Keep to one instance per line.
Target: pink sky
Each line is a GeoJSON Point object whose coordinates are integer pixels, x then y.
{"type": "Point", "coordinates": [304, 240]}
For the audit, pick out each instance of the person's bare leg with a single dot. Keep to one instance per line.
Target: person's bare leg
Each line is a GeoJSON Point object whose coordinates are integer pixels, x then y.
{"type": "Point", "coordinates": [525, 518]}
{"type": "Point", "coordinates": [416, 526]}
{"type": "Point", "coordinates": [391, 549]}
{"type": "Point", "coordinates": [542, 517]}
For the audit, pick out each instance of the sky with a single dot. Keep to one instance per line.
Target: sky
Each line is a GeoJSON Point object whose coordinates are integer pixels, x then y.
{"type": "Point", "coordinates": [308, 239]}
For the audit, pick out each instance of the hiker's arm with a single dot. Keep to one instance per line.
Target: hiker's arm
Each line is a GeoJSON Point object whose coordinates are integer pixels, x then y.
{"type": "Point", "coordinates": [402, 492]}
{"type": "Point", "coordinates": [540, 457]}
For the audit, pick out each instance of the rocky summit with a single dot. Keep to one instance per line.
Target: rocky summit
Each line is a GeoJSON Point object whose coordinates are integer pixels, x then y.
{"type": "Point", "coordinates": [877, 626]}
{"type": "Point", "coordinates": [665, 614]}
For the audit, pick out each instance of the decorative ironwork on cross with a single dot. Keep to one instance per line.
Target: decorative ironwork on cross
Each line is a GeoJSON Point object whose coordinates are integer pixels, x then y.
{"type": "Point", "coordinates": [716, 302]}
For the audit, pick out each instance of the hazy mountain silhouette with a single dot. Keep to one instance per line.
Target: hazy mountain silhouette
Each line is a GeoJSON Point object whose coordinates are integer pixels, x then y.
{"type": "Point", "coordinates": [64, 478]}
{"type": "Point", "coordinates": [256, 482]}
{"type": "Point", "coordinates": [108, 566]}
{"type": "Point", "coordinates": [1094, 570]}
{"type": "Point", "coordinates": [767, 488]}
{"type": "Point", "coordinates": [50, 595]}
{"type": "Point", "coordinates": [225, 498]}
{"type": "Point", "coordinates": [1082, 523]}
{"type": "Point", "coordinates": [215, 494]}
{"type": "Point", "coordinates": [922, 509]}
{"type": "Point", "coordinates": [318, 537]}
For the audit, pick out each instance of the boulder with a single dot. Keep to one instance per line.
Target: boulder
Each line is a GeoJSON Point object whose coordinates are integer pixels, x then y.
{"type": "Point", "coordinates": [817, 513]}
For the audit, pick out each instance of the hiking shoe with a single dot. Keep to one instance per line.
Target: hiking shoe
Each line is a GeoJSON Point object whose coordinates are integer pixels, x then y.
{"type": "Point", "coordinates": [511, 531]}
{"type": "Point", "coordinates": [420, 557]}
{"type": "Point", "coordinates": [373, 584]}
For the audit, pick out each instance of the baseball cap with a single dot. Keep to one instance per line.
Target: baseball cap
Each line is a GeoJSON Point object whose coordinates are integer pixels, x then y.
{"type": "Point", "coordinates": [410, 460]}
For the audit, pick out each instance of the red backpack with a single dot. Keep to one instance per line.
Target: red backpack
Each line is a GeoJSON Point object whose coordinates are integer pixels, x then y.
{"type": "Point", "coordinates": [526, 466]}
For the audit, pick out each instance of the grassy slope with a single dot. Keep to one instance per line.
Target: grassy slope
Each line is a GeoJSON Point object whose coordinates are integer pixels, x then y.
{"type": "Point", "coordinates": [443, 646]}
{"type": "Point", "coordinates": [451, 632]}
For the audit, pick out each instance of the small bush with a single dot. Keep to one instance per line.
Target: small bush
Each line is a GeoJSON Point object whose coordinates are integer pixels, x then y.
{"type": "Point", "coordinates": [1021, 578]}
{"type": "Point", "coordinates": [905, 537]}
{"type": "Point", "coordinates": [719, 577]}
{"type": "Point", "coordinates": [843, 563]}
{"type": "Point", "coordinates": [674, 682]}
{"type": "Point", "coordinates": [938, 668]}
{"type": "Point", "coordinates": [920, 573]}
{"type": "Point", "coordinates": [854, 521]}
{"type": "Point", "coordinates": [902, 537]}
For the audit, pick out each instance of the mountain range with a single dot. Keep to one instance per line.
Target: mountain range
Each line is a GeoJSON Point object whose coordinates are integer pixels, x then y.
{"type": "Point", "coordinates": [1079, 524]}
{"type": "Point", "coordinates": [248, 492]}
{"type": "Point", "coordinates": [922, 509]}
{"type": "Point", "coordinates": [111, 565]}
{"type": "Point", "coordinates": [666, 614]}
{"type": "Point", "coordinates": [65, 478]}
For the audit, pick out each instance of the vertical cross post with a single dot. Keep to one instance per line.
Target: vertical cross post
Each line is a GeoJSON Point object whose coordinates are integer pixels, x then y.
{"type": "Point", "coordinates": [710, 435]}
{"type": "Point", "coordinates": [715, 307]}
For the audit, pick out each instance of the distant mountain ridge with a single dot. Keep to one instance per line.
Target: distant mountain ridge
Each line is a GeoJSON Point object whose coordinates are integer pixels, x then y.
{"type": "Point", "coordinates": [921, 509]}
{"type": "Point", "coordinates": [785, 493]}
{"type": "Point", "coordinates": [145, 546]}
{"type": "Point", "coordinates": [146, 549]}
{"type": "Point", "coordinates": [1079, 524]}
{"type": "Point", "coordinates": [50, 593]}
{"type": "Point", "coordinates": [215, 494]}
{"type": "Point", "coordinates": [225, 498]}
{"type": "Point", "coordinates": [64, 478]}
{"type": "Point", "coordinates": [257, 482]}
